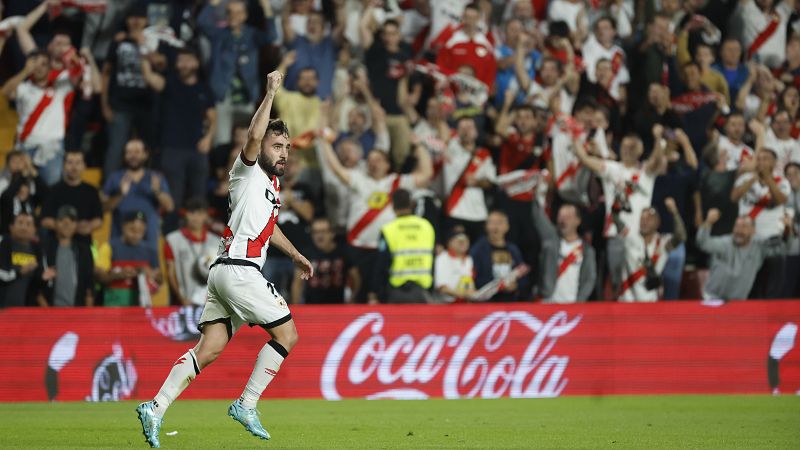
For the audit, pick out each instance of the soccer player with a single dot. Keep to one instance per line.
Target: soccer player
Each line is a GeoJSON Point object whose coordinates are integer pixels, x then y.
{"type": "Point", "coordinates": [237, 293]}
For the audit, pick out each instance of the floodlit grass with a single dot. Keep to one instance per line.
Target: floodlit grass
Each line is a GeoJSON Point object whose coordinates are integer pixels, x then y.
{"type": "Point", "coordinates": [572, 422]}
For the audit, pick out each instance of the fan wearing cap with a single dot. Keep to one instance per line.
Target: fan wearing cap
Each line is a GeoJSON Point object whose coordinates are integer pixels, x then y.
{"type": "Point", "coordinates": [130, 256]}
{"type": "Point", "coordinates": [67, 263]}
{"type": "Point", "coordinates": [454, 271]}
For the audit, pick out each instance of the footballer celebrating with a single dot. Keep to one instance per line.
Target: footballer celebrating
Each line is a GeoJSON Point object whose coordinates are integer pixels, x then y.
{"type": "Point", "coordinates": [237, 292]}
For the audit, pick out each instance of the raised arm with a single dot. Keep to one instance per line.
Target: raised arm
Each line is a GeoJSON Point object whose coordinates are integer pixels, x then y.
{"type": "Point", "coordinates": [505, 118]}
{"type": "Point", "coordinates": [523, 78]}
{"type": "Point", "coordinates": [26, 42]}
{"type": "Point", "coordinates": [738, 191]}
{"type": "Point", "coordinates": [423, 173]}
{"type": "Point", "coordinates": [679, 235]}
{"type": "Point", "coordinates": [9, 89]}
{"type": "Point", "coordinates": [366, 29]}
{"type": "Point", "coordinates": [154, 79]}
{"type": "Point", "coordinates": [655, 163]}
{"type": "Point", "coordinates": [707, 243]}
{"type": "Point", "coordinates": [590, 162]}
{"type": "Point", "coordinates": [332, 162]}
{"type": "Point", "coordinates": [258, 126]}
{"type": "Point", "coordinates": [688, 149]}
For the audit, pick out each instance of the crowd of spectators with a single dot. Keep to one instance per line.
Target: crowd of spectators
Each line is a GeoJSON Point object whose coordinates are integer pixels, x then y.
{"type": "Point", "coordinates": [562, 150]}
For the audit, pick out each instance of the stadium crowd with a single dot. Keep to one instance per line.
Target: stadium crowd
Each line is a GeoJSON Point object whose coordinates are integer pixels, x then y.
{"type": "Point", "coordinates": [559, 151]}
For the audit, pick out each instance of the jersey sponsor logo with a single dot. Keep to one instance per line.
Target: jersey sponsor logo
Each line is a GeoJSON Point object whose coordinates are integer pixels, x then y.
{"type": "Point", "coordinates": [377, 200]}
{"type": "Point", "coordinates": [22, 258]}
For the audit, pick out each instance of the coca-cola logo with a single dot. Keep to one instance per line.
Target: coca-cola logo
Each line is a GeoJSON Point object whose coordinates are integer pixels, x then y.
{"type": "Point", "coordinates": [180, 325]}
{"type": "Point", "coordinates": [506, 353]}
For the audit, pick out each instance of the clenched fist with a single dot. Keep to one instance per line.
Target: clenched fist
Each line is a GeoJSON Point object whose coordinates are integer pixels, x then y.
{"type": "Point", "coordinates": [274, 80]}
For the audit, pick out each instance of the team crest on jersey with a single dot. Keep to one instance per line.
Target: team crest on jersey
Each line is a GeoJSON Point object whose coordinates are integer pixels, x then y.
{"type": "Point", "coordinates": [378, 200]}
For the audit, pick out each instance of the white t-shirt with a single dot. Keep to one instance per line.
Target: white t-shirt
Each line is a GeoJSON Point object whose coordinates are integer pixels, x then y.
{"type": "Point", "coordinates": [254, 202]}
{"type": "Point", "coordinates": [634, 273]}
{"type": "Point", "coordinates": [633, 183]}
{"type": "Point", "coordinates": [541, 96]}
{"type": "Point", "coordinates": [445, 13]}
{"type": "Point", "coordinates": [50, 126]}
{"type": "Point", "coordinates": [565, 163]}
{"type": "Point", "coordinates": [593, 52]}
{"type": "Point", "coordinates": [566, 289]}
{"type": "Point", "coordinates": [757, 203]}
{"type": "Point", "coordinates": [785, 148]}
{"type": "Point", "coordinates": [754, 22]}
{"type": "Point", "coordinates": [562, 10]}
{"type": "Point", "coordinates": [371, 206]}
{"type": "Point", "coordinates": [469, 203]}
{"type": "Point", "coordinates": [192, 258]}
{"type": "Point", "coordinates": [737, 153]}
{"type": "Point", "coordinates": [453, 272]}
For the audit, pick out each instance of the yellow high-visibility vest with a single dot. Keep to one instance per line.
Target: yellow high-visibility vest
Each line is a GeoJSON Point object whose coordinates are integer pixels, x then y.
{"type": "Point", "coordinates": [410, 240]}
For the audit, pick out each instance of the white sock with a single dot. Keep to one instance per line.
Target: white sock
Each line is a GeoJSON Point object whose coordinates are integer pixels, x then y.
{"type": "Point", "coordinates": [267, 365]}
{"type": "Point", "coordinates": [183, 372]}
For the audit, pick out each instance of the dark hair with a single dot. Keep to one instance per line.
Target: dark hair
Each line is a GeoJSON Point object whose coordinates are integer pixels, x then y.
{"type": "Point", "coordinates": [308, 68]}
{"type": "Point", "coordinates": [791, 164]}
{"type": "Point", "coordinates": [74, 152]}
{"type": "Point", "coordinates": [559, 65]}
{"type": "Point", "coordinates": [524, 107]}
{"type": "Point", "coordinates": [12, 154]}
{"type": "Point", "coordinates": [391, 22]}
{"type": "Point", "coordinates": [277, 127]}
{"type": "Point", "coordinates": [196, 204]}
{"type": "Point", "coordinates": [473, 5]}
{"type": "Point", "coordinates": [21, 213]}
{"type": "Point", "coordinates": [584, 103]}
{"type": "Point", "coordinates": [578, 211]}
{"type": "Point", "coordinates": [689, 64]}
{"type": "Point", "coordinates": [608, 19]}
{"type": "Point", "coordinates": [37, 52]}
{"type": "Point", "coordinates": [188, 50]}
{"type": "Point", "coordinates": [401, 199]}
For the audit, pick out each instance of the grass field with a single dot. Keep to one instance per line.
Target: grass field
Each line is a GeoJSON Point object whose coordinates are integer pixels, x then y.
{"type": "Point", "coordinates": [571, 422]}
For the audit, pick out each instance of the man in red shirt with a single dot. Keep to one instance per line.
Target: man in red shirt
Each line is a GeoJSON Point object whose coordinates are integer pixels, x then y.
{"type": "Point", "coordinates": [467, 45]}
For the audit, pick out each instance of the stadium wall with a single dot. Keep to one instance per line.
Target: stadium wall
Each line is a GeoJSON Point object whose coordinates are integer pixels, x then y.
{"type": "Point", "coordinates": [451, 351]}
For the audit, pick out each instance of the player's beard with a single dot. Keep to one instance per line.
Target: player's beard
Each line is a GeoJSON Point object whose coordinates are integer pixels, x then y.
{"type": "Point", "coordinates": [271, 167]}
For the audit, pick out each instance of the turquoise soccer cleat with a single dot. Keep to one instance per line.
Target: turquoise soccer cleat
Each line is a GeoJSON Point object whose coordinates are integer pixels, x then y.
{"type": "Point", "coordinates": [248, 418]}
{"type": "Point", "coordinates": [151, 423]}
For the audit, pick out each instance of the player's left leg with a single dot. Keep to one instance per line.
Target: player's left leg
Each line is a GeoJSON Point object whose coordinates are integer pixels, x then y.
{"type": "Point", "coordinates": [284, 337]}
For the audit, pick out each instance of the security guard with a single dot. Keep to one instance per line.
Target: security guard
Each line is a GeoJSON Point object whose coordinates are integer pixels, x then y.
{"type": "Point", "coordinates": [405, 256]}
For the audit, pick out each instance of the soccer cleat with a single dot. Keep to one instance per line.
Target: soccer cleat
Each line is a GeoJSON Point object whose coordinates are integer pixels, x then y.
{"type": "Point", "coordinates": [151, 423]}
{"type": "Point", "coordinates": [248, 418]}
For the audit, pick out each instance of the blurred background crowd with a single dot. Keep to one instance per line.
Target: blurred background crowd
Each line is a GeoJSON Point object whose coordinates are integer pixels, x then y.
{"type": "Point", "coordinates": [557, 150]}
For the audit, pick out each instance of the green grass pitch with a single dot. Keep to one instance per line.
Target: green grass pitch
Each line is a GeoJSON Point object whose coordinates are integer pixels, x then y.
{"type": "Point", "coordinates": [573, 422]}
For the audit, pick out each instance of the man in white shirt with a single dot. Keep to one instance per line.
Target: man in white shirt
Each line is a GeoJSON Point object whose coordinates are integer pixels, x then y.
{"type": "Point", "coordinates": [646, 255]}
{"type": "Point", "coordinates": [732, 144]}
{"type": "Point", "coordinates": [600, 45]}
{"type": "Point", "coordinates": [567, 266]}
{"type": "Point", "coordinates": [468, 170]}
{"type": "Point", "coordinates": [628, 190]}
{"type": "Point", "coordinates": [762, 195]}
{"type": "Point", "coordinates": [778, 137]}
{"type": "Point", "coordinates": [763, 29]}
{"type": "Point", "coordinates": [43, 100]}
{"type": "Point", "coordinates": [369, 198]}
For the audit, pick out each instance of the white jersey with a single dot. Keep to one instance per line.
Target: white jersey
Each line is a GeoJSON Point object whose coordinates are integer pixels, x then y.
{"type": "Point", "coordinates": [43, 112]}
{"type": "Point", "coordinates": [565, 163]}
{"type": "Point", "coordinates": [370, 206]}
{"type": "Point", "coordinates": [767, 32]}
{"type": "Point", "coordinates": [254, 204]}
{"type": "Point", "coordinates": [593, 52]}
{"type": "Point", "coordinates": [757, 203]}
{"type": "Point", "coordinates": [632, 184]}
{"type": "Point", "coordinates": [466, 202]}
{"type": "Point", "coordinates": [192, 257]}
{"type": "Point", "coordinates": [570, 259]}
{"type": "Point", "coordinates": [784, 149]}
{"type": "Point", "coordinates": [634, 272]}
{"type": "Point", "coordinates": [569, 12]}
{"type": "Point", "coordinates": [456, 273]}
{"type": "Point", "coordinates": [737, 153]}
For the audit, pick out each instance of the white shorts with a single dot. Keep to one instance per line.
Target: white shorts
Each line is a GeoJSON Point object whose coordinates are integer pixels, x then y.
{"type": "Point", "coordinates": [239, 295]}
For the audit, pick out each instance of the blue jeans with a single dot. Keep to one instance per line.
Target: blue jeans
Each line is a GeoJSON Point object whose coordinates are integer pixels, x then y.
{"type": "Point", "coordinates": [673, 272]}
{"type": "Point", "coordinates": [48, 159]}
{"type": "Point", "coordinates": [279, 270]}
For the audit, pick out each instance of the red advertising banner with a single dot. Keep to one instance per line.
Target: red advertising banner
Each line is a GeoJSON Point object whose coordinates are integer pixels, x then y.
{"type": "Point", "coordinates": [450, 351]}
